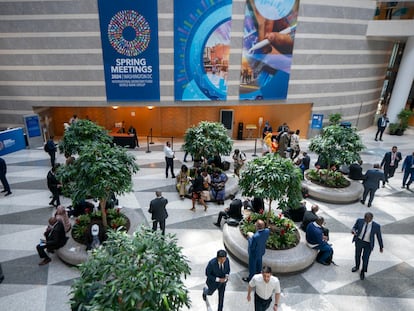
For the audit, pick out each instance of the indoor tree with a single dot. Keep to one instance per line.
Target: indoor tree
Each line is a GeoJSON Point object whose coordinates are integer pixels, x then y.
{"type": "Point", "coordinates": [143, 272]}
{"type": "Point", "coordinates": [273, 178]}
{"type": "Point", "coordinates": [206, 140]}
{"type": "Point", "coordinates": [99, 171]}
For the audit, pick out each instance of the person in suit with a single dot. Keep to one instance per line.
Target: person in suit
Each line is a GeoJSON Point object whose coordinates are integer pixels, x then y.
{"type": "Point", "coordinates": [364, 231]}
{"type": "Point", "coordinates": [51, 149]}
{"type": "Point", "coordinates": [256, 248]}
{"type": "Point", "coordinates": [233, 211]}
{"type": "Point", "coordinates": [54, 186]}
{"type": "Point", "coordinates": [390, 163]}
{"type": "Point", "coordinates": [3, 172]}
{"type": "Point", "coordinates": [217, 272]}
{"type": "Point", "coordinates": [317, 240]}
{"type": "Point", "coordinates": [158, 211]}
{"type": "Point", "coordinates": [371, 183]}
{"type": "Point", "coordinates": [55, 238]}
{"type": "Point", "coordinates": [381, 125]}
{"type": "Point", "coordinates": [355, 171]}
{"type": "Point", "coordinates": [408, 169]}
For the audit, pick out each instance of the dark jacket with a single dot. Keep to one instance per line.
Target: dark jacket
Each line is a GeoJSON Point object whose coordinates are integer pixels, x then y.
{"type": "Point", "coordinates": [386, 161]}
{"type": "Point", "coordinates": [52, 182]}
{"type": "Point", "coordinates": [235, 209]}
{"type": "Point", "coordinates": [373, 178]}
{"type": "Point", "coordinates": [213, 271]}
{"type": "Point", "coordinates": [157, 208]}
{"type": "Point", "coordinates": [56, 238]}
{"type": "Point", "coordinates": [375, 231]}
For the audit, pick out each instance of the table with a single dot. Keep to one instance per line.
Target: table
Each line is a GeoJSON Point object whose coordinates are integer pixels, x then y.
{"type": "Point", "coordinates": [250, 128]}
{"type": "Point", "coordinates": [124, 140]}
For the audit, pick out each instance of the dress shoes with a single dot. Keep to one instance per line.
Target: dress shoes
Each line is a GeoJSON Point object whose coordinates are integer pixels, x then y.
{"type": "Point", "coordinates": [369, 205]}
{"type": "Point", "coordinates": [354, 269]}
{"type": "Point", "coordinates": [4, 191]}
{"type": "Point", "coordinates": [205, 293]}
{"type": "Point", "coordinates": [408, 186]}
{"type": "Point", "coordinates": [362, 202]}
{"type": "Point", "coordinates": [362, 275]}
{"type": "Point", "coordinates": [1, 279]}
{"type": "Point", "coordinates": [245, 279]}
{"type": "Point", "coordinates": [8, 193]}
{"type": "Point", "coordinates": [376, 139]}
{"type": "Point", "coordinates": [45, 261]}
{"type": "Point", "coordinates": [216, 224]}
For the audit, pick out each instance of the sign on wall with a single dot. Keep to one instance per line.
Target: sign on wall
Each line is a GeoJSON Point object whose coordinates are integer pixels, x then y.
{"type": "Point", "coordinates": [269, 31]}
{"type": "Point", "coordinates": [201, 49]}
{"type": "Point", "coordinates": [129, 35]}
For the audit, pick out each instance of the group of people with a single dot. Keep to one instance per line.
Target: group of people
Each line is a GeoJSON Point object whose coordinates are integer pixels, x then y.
{"type": "Point", "coordinates": [285, 143]}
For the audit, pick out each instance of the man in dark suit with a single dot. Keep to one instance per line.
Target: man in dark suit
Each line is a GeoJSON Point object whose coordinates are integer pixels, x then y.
{"type": "Point", "coordinates": [371, 183]}
{"type": "Point", "coordinates": [158, 211]}
{"type": "Point", "coordinates": [3, 179]}
{"type": "Point", "coordinates": [408, 169]}
{"type": "Point", "coordinates": [51, 149]}
{"type": "Point", "coordinates": [55, 238]}
{"type": "Point", "coordinates": [390, 162]}
{"type": "Point", "coordinates": [217, 272]}
{"type": "Point", "coordinates": [381, 124]}
{"type": "Point", "coordinates": [364, 231]}
{"type": "Point", "coordinates": [233, 211]}
{"type": "Point", "coordinates": [54, 186]}
{"type": "Point", "coordinates": [256, 248]}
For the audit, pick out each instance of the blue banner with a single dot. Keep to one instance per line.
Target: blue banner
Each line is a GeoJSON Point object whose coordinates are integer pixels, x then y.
{"type": "Point", "coordinates": [317, 121]}
{"type": "Point", "coordinates": [12, 140]}
{"type": "Point", "coordinates": [201, 49]}
{"type": "Point", "coordinates": [32, 124]}
{"type": "Point", "coordinates": [129, 34]}
{"type": "Point", "coordinates": [269, 32]}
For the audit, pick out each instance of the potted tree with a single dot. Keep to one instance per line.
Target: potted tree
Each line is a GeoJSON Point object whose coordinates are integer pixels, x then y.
{"type": "Point", "coordinates": [402, 125]}
{"type": "Point", "coordinates": [206, 140]}
{"type": "Point", "coordinates": [143, 272]}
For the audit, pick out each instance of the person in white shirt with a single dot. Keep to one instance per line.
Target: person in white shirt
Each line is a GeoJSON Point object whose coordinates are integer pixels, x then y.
{"type": "Point", "coordinates": [264, 284]}
{"type": "Point", "coordinates": [169, 159]}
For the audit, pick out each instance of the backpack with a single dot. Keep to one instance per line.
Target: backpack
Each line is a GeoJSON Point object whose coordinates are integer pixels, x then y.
{"type": "Point", "coordinates": [242, 156]}
{"type": "Point", "coordinates": [46, 147]}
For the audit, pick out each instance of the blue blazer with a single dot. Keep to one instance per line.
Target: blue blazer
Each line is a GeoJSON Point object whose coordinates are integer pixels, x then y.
{"type": "Point", "coordinates": [408, 162]}
{"type": "Point", "coordinates": [375, 230]}
{"type": "Point", "coordinates": [257, 243]}
{"type": "Point", "coordinates": [372, 178]}
{"type": "Point", "coordinates": [213, 271]}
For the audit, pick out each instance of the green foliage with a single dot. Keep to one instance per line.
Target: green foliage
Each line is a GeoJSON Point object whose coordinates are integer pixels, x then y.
{"type": "Point", "coordinates": [402, 125]}
{"type": "Point", "coordinates": [334, 118]}
{"type": "Point", "coordinates": [207, 139]}
{"type": "Point", "coordinates": [274, 178]}
{"type": "Point", "coordinates": [99, 170]}
{"type": "Point", "coordinates": [142, 272]}
{"type": "Point", "coordinates": [283, 232]}
{"type": "Point", "coordinates": [328, 178]}
{"type": "Point", "coordinates": [337, 145]}
{"type": "Point", "coordinates": [81, 133]}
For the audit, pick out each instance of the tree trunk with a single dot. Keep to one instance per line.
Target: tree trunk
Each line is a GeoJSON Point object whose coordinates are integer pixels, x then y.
{"type": "Point", "coordinates": [268, 213]}
{"type": "Point", "coordinates": [102, 204]}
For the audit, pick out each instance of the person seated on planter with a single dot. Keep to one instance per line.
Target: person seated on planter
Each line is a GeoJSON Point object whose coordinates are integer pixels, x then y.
{"type": "Point", "coordinates": [215, 161]}
{"type": "Point", "coordinates": [81, 208]}
{"type": "Point", "coordinates": [62, 216]}
{"type": "Point", "coordinates": [296, 214]}
{"type": "Point", "coordinates": [310, 216]}
{"type": "Point", "coordinates": [218, 182]}
{"type": "Point", "coordinates": [355, 171]}
{"type": "Point", "coordinates": [55, 238]}
{"type": "Point", "coordinates": [256, 205]}
{"type": "Point", "coordinates": [233, 212]}
{"type": "Point", "coordinates": [318, 241]}
{"type": "Point", "coordinates": [182, 181]}
{"type": "Point", "coordinates": [197, 184]}
{"type": "Point", "coordinates": [205, 194]}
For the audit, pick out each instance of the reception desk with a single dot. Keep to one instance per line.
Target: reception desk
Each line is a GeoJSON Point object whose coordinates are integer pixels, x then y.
{"type": "Point", "coordinates": [124, 140]}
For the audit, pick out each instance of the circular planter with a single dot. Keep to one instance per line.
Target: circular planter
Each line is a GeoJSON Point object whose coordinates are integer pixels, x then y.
{"type": "Point", "coordinates": [349, 194]}
{"type": "Point", "coordinates": [292, 260]}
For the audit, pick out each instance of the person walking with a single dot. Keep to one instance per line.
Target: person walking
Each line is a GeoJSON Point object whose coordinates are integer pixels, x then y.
{"type": "Point", "coordinates": [256, 248]}
{"type": "Point", "coordinates": [54, 186]}
{"type": "Point", "coordinates": [264, 285]}
{"type": "Point", "coordinates": [381, 125]}
{"type": "Point", "coordinates": [390, 163]}
{"type": "Point", "coordinates": [50, 148]}
{"type": "Point", "coordinates": [238, 158]}
{"type": "Point", "coordinates": [158, 211]}
{"type": "Point", "coordinates": [408, 169]}
{"type": "Point", "coordinates": [3, 172]}
{"type": "Point", "coordinates": [217, 272]}
{"type": "Point", "coordinates": [169, 159]}
{"type": "Point", "coordinates": [371, 183]}
{"type": "Point", "coordinates": [364, 232]}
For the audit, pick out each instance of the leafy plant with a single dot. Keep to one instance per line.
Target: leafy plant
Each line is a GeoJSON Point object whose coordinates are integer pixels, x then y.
{"type": "Point", "coordinates": [402, 125]}
{"type": "Point", "coordinates": [334, 118]}
{"type": "Point", "coordinates": [143, 272]}
{"type": "Point", "coordinates": [283, 232]}
{"type": "Point", "coordinates": [327, 178]}
{"type": "Point", "coordinates": [274, 178]}
{"type": "Point", "coordinates": [206, 140]}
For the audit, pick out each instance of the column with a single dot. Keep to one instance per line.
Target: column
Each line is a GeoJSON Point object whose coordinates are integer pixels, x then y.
{"type": "Point", "coordinates": [403, 82]}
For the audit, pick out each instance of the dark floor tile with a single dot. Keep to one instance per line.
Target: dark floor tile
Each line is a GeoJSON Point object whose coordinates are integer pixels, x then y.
{"type": "Point", "coordinates": [38, 216]}
{"type": "Point", "coordinates": [403, 226]}
{"type": "Point", "coordinates": [25, 271]}
{"type": "Point", "coordinates": [38, 184]}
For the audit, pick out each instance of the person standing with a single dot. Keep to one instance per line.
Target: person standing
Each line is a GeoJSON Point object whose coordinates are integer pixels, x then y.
{"type": "Point", "coordinates": [158, 211]}
{"type": "Point", "coordinates": [294, 145]}
{"type": "Point", "coordinates": [381, 125]}
{"type": "Point", "coordinates": [317, 240]}
{"type": "Point", "coordinates": [264, 284]}
{"type": "Point", "coordinates": [54, 186]}
{"type": "Point", "coordinates": [284, 141]}
{"type": "Point", "coordinates": [217, 272]}
{"type": "Point", "coordinates": [267, 129]}
{"type": "Point", "coordinates": [55, 238]}
{"type": "Point", "coordinates": [371, 183]}
{"type": "Point", "coordinates": [390, 162]}
{"type": "Point", "coordinates": [408, 169]}
{"type": "Point", "coordinates": [364, 231]}
{"type": "Point", "coordinates": [50, 148]}
{"type": "Point", "coordinates": [3, 172]}
{"type": "Point", "coordinates": [169, 159]}
{"type": "Point", "coordinates": [133, 131]}
{"type": "Point", "coordinates": [256, 248]}
{"type": "Point", "coordinates": [238, 158]}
